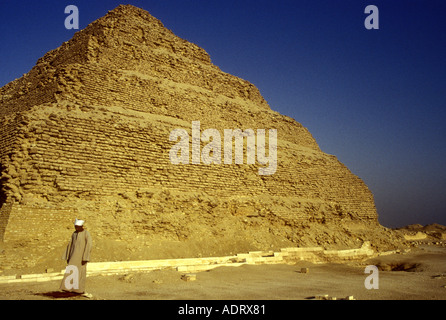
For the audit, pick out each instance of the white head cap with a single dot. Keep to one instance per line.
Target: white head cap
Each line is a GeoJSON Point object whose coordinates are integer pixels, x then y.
{"type": "Point", "coordinates": [79, 223]}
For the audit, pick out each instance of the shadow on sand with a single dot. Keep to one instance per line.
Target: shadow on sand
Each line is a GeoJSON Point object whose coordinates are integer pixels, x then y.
{"type": "Point", "coordinates": [59, 294]}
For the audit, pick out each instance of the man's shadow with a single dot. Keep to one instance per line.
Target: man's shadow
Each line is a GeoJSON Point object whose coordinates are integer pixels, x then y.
{"type": "Point", "coordinates": [59, 294]}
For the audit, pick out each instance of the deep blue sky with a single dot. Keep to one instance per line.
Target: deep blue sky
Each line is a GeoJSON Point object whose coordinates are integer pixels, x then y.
{"type": "Point", "coordinates": [374, 98]}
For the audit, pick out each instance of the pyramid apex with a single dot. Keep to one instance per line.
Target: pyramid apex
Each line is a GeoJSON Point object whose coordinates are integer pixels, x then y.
{"type": "Point", "coordinates": [128, 9]}
{"type": "Point", "coordinates": [124, 28]}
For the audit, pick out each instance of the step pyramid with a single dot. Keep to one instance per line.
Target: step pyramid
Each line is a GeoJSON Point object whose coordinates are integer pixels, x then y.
{"type": "Point", "coordinates": [85, 134]}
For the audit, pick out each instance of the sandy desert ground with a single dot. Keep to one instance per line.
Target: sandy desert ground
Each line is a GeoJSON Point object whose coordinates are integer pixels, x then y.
{"type": "Point", "coordinates": [417, 275]}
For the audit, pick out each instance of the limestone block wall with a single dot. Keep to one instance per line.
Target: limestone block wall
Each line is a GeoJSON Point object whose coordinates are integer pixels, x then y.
{"type": "Point", "coordinates": [83, 152]}
{"type": "Point", "coordinates": [5, 211]}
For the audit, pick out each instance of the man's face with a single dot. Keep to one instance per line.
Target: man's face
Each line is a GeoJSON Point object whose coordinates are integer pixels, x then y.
{"type": "Point", "coordinates": [79, 228]}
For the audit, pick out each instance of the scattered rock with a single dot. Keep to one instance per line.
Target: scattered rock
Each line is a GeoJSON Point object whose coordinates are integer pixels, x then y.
{"type": "Point", "coordinates": [400, 266]}
{"type": "Point", "coordinates": [189, 277]}
{"type": "Point", "coordinates": [128, 277]}
{"type": "Point", "coordinates": [327, 297]}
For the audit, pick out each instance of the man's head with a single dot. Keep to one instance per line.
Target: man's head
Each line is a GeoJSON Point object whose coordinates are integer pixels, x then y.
{"type": "Point", "coordinates": [79, 225]}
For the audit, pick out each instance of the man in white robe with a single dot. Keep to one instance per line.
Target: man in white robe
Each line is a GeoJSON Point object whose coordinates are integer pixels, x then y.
{"type": "Point", "coordinates": [77, 255]}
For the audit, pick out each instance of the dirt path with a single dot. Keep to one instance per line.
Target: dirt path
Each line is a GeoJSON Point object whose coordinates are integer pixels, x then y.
{"type": "Point", "coordinates": [425, 279]}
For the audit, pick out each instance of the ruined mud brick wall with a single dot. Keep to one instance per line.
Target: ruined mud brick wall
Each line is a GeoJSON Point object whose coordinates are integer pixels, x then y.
{"type": "Point", "coordinates": [86, 134]}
